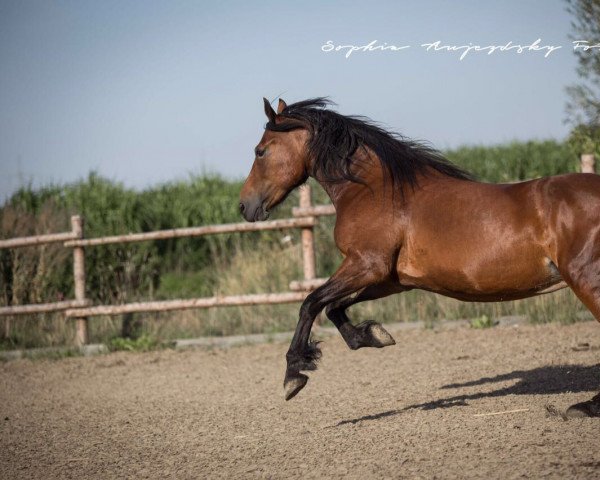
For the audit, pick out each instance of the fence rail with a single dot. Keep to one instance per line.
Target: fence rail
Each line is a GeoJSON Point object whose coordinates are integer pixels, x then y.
{"type": "Point", "coordinates": [206, 302]}
{"type": "Point", "coordinates": [80, 308]}
{"type": "Point", "coordinates": [194, 232]}
{"type": "Point", "coordinates": [43, 307]}
{"type": "Point", "coordinates": [37, 240]}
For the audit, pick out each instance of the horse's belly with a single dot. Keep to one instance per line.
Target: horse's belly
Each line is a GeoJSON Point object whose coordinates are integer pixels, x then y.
{"type": "Point", "coordinates": [501, 294]}
{"type": "Point", "coordinates": [481, 278]}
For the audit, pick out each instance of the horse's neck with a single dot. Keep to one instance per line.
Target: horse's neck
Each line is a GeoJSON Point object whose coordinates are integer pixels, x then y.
{"type": "Point", "coordinates": [376, 189]}
{"type": "Point", "coordinates": [334, 191]}
{"type": "Point", "coordinates": [343, 192]}
{"type": "Point", "coordinates": [367, 168]}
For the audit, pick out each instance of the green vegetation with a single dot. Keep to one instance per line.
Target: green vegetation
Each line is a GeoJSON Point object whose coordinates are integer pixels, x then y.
{"type": "Point", "coordinates": [482, 322]}
{"type": "Point", "coordinates": [224, 264]}
{"type": "Point", "coordinates": [517, 160]}
{"type": "Point", "coordinates": [144, 343]}
{"type": "Point", "coordinates": [583, 107]}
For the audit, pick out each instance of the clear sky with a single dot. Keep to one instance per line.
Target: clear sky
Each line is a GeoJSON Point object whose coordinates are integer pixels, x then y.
{"type": "Point", "coordinates": [147, 91]}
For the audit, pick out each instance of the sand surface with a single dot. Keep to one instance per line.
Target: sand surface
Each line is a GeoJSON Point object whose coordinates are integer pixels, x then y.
{"type": "Point", "coordinates": [407, 411]}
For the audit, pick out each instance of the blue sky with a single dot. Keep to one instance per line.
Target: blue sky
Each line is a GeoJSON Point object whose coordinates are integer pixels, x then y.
{"type": "Point", "coordinates": [145, 92]}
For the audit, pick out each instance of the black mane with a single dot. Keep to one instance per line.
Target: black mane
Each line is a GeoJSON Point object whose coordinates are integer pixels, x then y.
{"type": "Point", "coordinates": [335, 138]}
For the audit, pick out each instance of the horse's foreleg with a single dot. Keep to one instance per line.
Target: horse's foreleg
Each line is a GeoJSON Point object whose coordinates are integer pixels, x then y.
{"type": "Point", "coordinates": [352, 276]}
{"type": "Point", "coordinates": [368, 333]}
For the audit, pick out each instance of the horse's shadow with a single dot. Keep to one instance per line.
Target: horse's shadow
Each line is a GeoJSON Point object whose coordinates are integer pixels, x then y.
{"type": "Point", "coordinates": [547, 380]}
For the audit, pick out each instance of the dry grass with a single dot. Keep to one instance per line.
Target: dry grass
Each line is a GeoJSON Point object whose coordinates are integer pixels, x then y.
{"type": "Point", "coordinates": [270, 268]}
{"type": "Point", "coordinates": [35, 273]}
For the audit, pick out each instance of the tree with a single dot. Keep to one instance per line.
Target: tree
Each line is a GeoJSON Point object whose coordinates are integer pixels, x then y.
{"type": "Point", "coordinates": [583, 107]}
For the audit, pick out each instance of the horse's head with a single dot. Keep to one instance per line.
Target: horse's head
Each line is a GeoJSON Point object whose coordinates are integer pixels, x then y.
{"type": "Point", "coordinates": [280, 165]}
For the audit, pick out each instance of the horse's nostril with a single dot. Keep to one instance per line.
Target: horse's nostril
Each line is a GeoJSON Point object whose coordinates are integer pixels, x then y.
{"type": "Point", "coordinates": [242, 208]}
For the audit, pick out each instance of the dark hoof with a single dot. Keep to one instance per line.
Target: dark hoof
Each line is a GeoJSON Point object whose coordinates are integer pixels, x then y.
{"type": "Point", "coordinates": [591, 408]}
{"type": "Point", "coordinates": [292, 385]}
{"type": "Point", "coordinates": [372, 334]}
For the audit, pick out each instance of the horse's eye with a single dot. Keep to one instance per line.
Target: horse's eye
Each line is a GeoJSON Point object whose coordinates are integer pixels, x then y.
{"type": "Point", "coordinates": [259, 152]}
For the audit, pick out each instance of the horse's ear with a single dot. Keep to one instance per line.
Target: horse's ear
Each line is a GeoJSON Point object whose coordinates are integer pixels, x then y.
{"type": "Point", "coordinates": [282, 105]}
{"type": "Point", "coordinates": [269, 112]}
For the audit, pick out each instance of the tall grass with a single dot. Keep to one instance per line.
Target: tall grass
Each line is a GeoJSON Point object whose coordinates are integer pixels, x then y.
{"type": "Point", "coordinates": [226, 264]}
{"type": "Point", "coordinates": [517, 160]}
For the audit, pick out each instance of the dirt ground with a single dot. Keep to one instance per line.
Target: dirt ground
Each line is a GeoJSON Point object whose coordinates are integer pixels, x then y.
{"type": "Point", "coordinates": [407, 411]}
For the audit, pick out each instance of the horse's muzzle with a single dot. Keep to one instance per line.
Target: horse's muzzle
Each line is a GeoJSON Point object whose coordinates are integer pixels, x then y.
{"type": "Point", "coordinates": [253, 210]}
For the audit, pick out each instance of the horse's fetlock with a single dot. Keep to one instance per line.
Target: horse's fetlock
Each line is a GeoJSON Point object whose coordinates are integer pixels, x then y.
{"type": "Point", "coordinates": [304, 360]}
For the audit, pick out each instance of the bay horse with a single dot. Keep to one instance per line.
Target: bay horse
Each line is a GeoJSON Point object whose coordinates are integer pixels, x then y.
{"type": "Point", "coordinates": [407, 218]}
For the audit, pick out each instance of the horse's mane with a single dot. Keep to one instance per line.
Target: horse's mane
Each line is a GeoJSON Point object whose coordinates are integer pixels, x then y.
{"type": "Point", "coordinates": [335, 138]}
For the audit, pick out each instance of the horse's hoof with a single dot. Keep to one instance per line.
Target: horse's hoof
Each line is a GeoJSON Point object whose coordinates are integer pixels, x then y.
{"type": "Point", "coordinates": [591, 408]}
{"type": "Point", "coordinates": [375, 335]}
{"type": "Point", "coordinates": [381, 338]}
{"type": "Point", "coordinates": [293, 385]}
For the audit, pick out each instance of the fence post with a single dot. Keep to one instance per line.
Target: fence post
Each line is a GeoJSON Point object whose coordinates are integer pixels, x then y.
{"type": "Point", "coordinates": [81, 326]}
{"type": "Point", "coordinates": [588, 163]}
{"type": "Point", "coordinates": [308, 238]}
{"type": "Point", "coordinates": [6, 333]}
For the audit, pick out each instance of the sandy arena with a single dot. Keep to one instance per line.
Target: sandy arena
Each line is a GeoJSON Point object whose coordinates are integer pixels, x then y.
{"type": "Point", "coordinates": [408, 411]}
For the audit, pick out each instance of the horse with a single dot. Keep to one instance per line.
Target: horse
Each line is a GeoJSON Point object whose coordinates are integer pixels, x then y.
{"type": "Point", "coordinates": [407, 218]}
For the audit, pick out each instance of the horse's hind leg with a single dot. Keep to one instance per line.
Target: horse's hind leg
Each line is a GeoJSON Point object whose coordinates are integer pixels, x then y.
{"type": "Point", "coordinates": [584, 280]}
{"type": "Point", "coordinates": [368, 333]}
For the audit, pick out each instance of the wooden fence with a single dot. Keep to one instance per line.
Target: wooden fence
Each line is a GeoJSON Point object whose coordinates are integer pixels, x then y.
{"type": "Point", "coordinates": [80, 308]}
